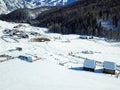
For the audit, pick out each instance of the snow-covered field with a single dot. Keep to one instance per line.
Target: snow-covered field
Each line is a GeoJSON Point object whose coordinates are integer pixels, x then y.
{"type": "Point", "coordinates": [59, 64]}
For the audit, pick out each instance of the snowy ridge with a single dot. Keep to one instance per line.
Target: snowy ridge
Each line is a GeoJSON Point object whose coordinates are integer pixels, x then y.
{"type": "Point", "coordinates": [8, 5]}
{"type": "Point", "coordinates": [59, 61]}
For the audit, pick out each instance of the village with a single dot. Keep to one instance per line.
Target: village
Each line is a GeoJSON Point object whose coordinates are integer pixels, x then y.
{"type": "Point", "coordinates": [34, 53]}
{"type": "Point", "coordinates": [16, 34]}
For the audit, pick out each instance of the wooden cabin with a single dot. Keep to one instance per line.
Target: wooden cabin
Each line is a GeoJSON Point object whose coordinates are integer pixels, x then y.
{"type": "Point", "coordinates": [19, 48]}
{"type": "Point", "coordinates": [109, 67]}
{"type": "Point", "coordinates": [89, 65]}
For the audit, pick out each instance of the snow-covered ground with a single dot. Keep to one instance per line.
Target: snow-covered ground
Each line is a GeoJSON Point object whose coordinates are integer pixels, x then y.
{"type": "Point", "coordinates": [59, 64]}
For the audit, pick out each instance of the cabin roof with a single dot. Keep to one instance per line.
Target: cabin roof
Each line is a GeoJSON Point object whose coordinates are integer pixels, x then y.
{"type": "Point", "coordinates": [89, 63]}
{"type": "Point", "coordinates": [109, 65]}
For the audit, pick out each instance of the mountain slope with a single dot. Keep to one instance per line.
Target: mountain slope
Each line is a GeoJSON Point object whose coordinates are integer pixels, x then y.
{"type": "Point", "coordinates": [90, 17]}
{"type": "Point", "coordinates": [24, 15]}
{"type": "Point", "coordinates": [10, 5]}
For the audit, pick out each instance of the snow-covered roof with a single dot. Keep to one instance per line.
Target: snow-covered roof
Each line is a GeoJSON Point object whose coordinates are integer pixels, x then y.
{"type": "Point", "coordinates": [109, 65]}
{"type": "Point", "coordinates": [26, 58]}
{"type": "Point", "coordinates": [89, 63]}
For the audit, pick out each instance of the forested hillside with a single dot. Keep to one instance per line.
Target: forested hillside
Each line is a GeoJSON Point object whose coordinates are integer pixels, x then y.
{"type": "Point", "coordinates": [90, 17]}
{"type": "Point", "coordinates": [25, 15]}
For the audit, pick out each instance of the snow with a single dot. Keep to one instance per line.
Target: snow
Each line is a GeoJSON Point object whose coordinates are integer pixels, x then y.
{"type": "Point", "coordinates": [59, 64]}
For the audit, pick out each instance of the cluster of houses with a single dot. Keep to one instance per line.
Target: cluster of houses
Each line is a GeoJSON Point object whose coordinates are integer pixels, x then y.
{"type": "Point", "coordinates": [15, 32]}
{"type": "Point", "coordinates": [18, 33]}
{"type": "Point", "coordinates": [108, 67]}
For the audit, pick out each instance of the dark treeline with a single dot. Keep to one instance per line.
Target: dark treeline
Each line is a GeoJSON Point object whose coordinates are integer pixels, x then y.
{"type": "Point", "coordinates": [18, 15]}
{"type": "Point", "coordinates": [81, 17]}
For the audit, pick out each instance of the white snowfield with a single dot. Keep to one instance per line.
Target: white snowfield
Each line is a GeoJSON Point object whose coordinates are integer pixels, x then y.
{"type": "Point", "coordinates": [59, 64]}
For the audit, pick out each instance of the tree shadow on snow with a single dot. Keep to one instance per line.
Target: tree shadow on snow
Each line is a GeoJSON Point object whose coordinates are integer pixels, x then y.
{"type": "Point", "coordinates": [99, 71]}
{"type": "Point", "coordinates": [76, 68]}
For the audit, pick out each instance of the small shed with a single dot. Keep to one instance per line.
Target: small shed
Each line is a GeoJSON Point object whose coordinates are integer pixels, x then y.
{"type": "Point", "coordinates": [6, 31]}
{"type": "Point", "coordinates": [23, 35]}
{"type": "Point", "coordinates": [109, 67]}
{"type": "Point", "coordinates": [19, 48]}
{"type": "Point", "coordinates": [86, 37]}
{"type": "Point", "coordinates": [34, 33]}
{"type": "Point", "coordinates": [89, 65]}
{"type": "Point", "coordinates": [25, 58]}
{"type": "Point", "coordinates": [13, 32]}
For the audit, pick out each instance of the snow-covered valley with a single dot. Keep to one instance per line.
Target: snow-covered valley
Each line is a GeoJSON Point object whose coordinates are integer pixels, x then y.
{"type": "Point", "coordinates": [59, 61]}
